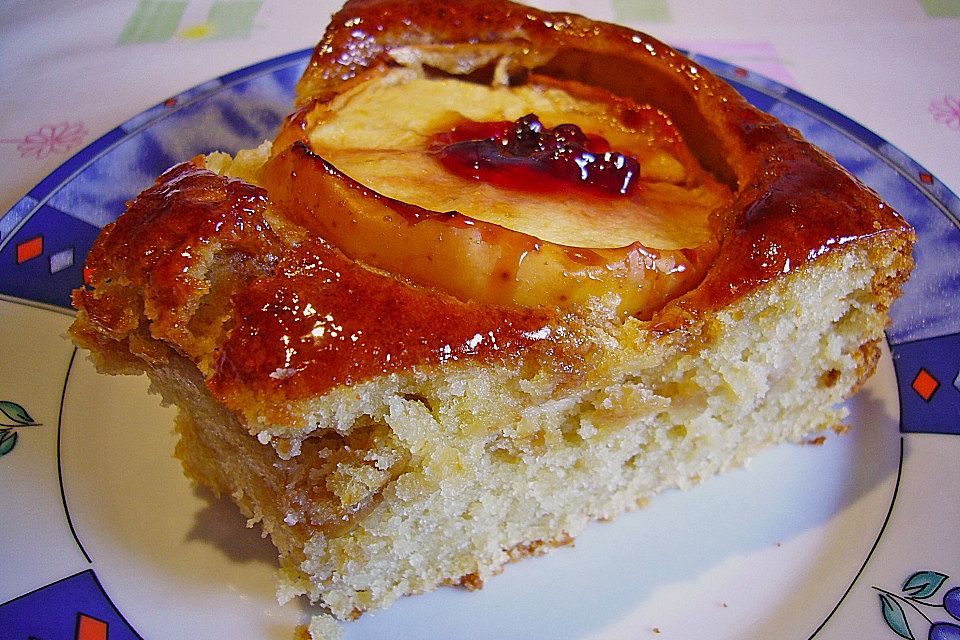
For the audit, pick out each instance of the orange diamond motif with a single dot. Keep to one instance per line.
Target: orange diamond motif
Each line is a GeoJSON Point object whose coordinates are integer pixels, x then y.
{"type": "Point", "coordinates": [925, 384]}
{"type": "Point", "coordinates": [90, 628]}
{"type": "Point", "coordinates": [926, 178]}
{"type": "Point", "coordinates": [30, 249]}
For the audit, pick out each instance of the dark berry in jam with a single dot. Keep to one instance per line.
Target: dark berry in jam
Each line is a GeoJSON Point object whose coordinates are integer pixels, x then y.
{"type": "Point", "coordinates": [526, 155]}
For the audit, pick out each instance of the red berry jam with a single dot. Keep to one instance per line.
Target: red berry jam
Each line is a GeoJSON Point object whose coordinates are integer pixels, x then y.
{"type": "Point", "coordinates": [526, 155]}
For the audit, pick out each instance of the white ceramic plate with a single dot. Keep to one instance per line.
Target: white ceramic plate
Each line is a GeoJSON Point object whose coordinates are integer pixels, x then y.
{"type": "Point", "coordinates": [102, 536]}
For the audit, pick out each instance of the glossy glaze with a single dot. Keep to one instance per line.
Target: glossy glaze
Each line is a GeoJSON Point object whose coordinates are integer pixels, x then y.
{"type": "Point", "coordinates": [162, 243]}
{"type": "Point", "coordinates": [319, 320]}
{"type": "Point", "coordinates": [304, 317]}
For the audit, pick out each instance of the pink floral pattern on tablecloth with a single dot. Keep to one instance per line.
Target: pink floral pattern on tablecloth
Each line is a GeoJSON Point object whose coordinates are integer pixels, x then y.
{"type": "Point", "coordinates": [49, 139]}
{"type": "Point", "coordinates": [946, 110]}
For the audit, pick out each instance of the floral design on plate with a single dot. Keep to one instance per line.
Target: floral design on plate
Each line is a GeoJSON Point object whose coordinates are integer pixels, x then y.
{"type": "Point", "coordinates": [13, 416]}
{"type": "Point", "coordinates": [919, 593]}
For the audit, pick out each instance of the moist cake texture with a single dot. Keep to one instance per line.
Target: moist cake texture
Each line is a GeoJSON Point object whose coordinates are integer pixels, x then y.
{"type": "Point", "coordinates": [394, 426]}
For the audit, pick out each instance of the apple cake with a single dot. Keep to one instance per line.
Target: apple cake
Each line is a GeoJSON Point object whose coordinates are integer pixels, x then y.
{"type": "Point", "coordinates": [500, 273]}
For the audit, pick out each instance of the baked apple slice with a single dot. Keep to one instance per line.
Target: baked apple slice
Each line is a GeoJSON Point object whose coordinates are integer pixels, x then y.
{"type": "Point", "coordinates": [546, 194]}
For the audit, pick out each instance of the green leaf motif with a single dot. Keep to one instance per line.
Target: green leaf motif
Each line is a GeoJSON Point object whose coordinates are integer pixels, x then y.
{"type": "Point", "coordinates": [15, 412]}
{"type": "Point", "coordinates": [923, 584]}
{"type": "Point", "coordinates": [895, 617]}
{"type": "Point", "coordinates": [7, 442]}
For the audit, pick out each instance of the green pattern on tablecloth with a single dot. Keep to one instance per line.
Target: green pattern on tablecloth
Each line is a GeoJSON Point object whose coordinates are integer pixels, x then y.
{"type": "Point", "coordinates": [153, 21]}
{"type": "Point", "coordinates": [641, 10]}
{"type": "Point", "coordinates": [232, 18]}
{"type": "Point", "coordinates": [941, 8]}
{"type": "Point", "coordinates": [159, 20]}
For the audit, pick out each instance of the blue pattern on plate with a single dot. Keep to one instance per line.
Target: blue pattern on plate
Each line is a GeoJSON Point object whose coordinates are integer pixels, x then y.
{"type": "Point", "coordinates": [11, 222]}
{"type": "Point", "coordinates": [64, 604]}
{"type": "Point", "coordinates": [935, 362]}
{"type": "Point", "coordinates": [158, 111]}
{"type": "Point", "coordinates": [48, 278]}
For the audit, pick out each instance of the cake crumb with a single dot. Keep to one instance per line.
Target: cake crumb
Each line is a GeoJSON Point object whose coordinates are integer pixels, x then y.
{"type": "Point", "coordinates": [656, 630]}
{"type": "Point", "coordinates": [322, 627]}
{"type": "Point", "coordinates": [818, 441]}
{"type": "Point", "coordinates": [471, 581]}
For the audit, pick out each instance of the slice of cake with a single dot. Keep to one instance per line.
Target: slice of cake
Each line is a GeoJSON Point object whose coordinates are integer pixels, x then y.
{"type": "Point", "coordinates": [501, 273]}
